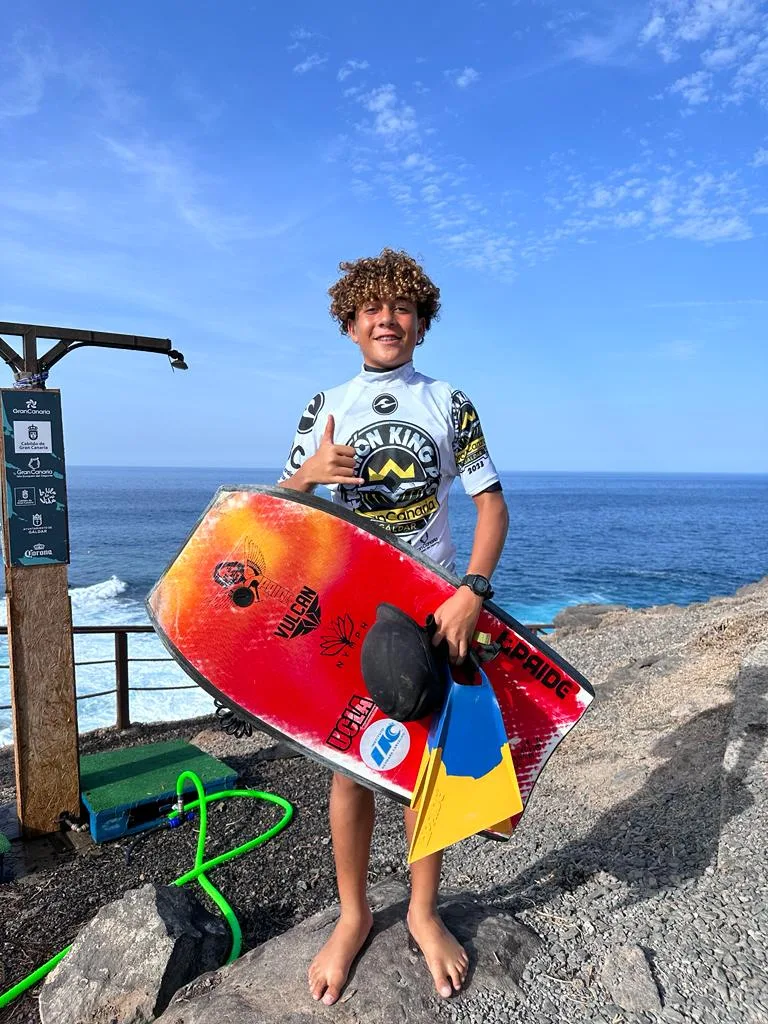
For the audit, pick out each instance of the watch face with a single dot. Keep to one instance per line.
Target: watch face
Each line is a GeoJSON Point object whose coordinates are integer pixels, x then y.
{"type": "Point", "coordinates": [478, 585]}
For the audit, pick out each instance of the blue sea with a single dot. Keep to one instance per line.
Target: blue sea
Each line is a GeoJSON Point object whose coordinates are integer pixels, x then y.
{"type": "Point", "coordinates": [634, 539]}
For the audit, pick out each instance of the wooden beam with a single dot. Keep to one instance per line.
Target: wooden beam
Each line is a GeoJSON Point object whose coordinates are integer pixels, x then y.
{"type": "Point", "coordinates": [44, 709]}
{"type": "Point", "coordinates": [72, 334]}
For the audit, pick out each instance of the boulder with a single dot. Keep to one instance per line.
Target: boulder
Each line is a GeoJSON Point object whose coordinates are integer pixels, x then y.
{"type": "Point", "coordinates": [127, 962]}
{"type": "Point", "coordinates": [388, 983]}
{"type": "Point", "coordinates": [584, 616]}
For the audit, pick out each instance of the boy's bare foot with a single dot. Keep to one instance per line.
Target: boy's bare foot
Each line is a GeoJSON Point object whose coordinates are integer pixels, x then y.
{"type": "Point", "coordinates": [329, 970]}
{"type": "Point", "coordinates": [446, 958]}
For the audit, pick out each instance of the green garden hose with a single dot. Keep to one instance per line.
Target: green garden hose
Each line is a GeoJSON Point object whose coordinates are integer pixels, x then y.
{"type": "Point", "coordinates": [198, 872]}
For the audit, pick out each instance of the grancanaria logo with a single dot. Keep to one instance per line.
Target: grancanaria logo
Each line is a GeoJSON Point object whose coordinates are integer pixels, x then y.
{"type": "Point", "coordinates": [400, 464]}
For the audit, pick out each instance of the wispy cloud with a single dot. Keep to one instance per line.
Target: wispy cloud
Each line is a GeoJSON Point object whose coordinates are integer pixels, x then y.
{"type": "Point", "coordinates": [694, 88]}
{"type": "Point", "coordinates": [476, 226]}
{"type": "Point", "coordinates": [349, 67]}
{"type": "Point", "coordinates": [730, 38]}
{"type": "Point", "coordinates": [30, 66]}
{"type": "Point", "coordinates": [760, 159]}
{"type": "Point", "coordinates": [463, 78]}
{"type": "Point", "coordinates": [314, 60]}
{"type": "Point", "coordinates": [696, 205]}
{"type": "Point", "coordinates": [22, 84]}
{"type": "Point", "coordinates": [564, 19]}
{"type": "Point", "coordinates": [301, 38]}
{"type": "Point", "coordinates": [172, 177]}
{"type": "Point", "coordinates": [612, 45]}
{"type": "Point", "coordinates": [393, 120]}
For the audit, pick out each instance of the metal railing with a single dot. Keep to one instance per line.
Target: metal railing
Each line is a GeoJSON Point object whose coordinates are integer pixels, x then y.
{"type": "Point", "coordinates": [121, 661]}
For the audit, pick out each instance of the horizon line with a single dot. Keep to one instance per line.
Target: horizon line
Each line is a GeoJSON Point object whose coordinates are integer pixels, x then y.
{"type": "Point", "coordinates": [517, 472]}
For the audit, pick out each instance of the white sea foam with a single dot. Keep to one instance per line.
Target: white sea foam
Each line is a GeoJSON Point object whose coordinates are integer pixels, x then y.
{"type": "Point", "coordinates": [96, 599]}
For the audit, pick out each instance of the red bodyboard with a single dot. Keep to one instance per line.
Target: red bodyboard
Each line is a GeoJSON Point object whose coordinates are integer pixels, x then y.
{"type": "Point", "coordinates": [266, 607]}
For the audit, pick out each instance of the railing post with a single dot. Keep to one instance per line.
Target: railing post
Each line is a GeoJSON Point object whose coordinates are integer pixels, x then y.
{"type": "Point", "coordinates": [121, 680]}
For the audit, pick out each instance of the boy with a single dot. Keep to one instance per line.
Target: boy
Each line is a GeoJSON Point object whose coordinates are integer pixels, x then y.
{"type": "Point", "coordinates": [389, 443]}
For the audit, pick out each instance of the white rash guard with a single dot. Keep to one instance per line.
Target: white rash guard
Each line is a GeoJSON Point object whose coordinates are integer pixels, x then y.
{"type": "Point", "coordinates": [413, 436]}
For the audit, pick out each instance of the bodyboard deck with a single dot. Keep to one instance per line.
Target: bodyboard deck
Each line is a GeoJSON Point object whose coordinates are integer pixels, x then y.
{"type": "Point", "coordinates": [267, 604]}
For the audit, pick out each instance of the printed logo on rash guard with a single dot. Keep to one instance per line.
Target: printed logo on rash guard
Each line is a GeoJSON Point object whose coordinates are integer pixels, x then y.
{"type": "Point", "coordinates": [400, 464]}
{"type": "Point", "coordinates": [310, 414]}
{"type": "Point", "coordinates": [384, 405]}
{"type": "Point", "coordinates": [306, 423]}
{"type": "Point", "coordinates": [468, 441]}
{"type": "Point", "coordinates": [296, 458]}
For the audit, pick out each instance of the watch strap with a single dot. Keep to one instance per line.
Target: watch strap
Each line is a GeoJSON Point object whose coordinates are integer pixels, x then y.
{"type": "Point", "coordinates": [478, 584]}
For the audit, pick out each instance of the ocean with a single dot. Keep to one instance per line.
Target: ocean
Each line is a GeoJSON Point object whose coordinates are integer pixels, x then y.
{"type": "Point", "coordinates": [634, 539]}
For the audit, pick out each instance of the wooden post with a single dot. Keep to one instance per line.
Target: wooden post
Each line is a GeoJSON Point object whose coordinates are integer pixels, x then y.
{"type": "Point", "coordinates": [44, 709]}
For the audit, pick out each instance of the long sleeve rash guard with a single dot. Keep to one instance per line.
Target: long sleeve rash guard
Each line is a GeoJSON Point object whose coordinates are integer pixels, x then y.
{"type": "Point", "coordinates": [412, 436]}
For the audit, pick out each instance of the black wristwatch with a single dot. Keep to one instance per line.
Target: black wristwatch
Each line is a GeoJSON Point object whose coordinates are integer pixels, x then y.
{"type": "Point", "coordinates": [479, 585]}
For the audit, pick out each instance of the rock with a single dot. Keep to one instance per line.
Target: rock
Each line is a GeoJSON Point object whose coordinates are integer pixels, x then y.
{"type": "Point", "coordinates": [388, 984]}
{"type": "Point", "coordinates": [279, 751]}
{"type": "Point", "coordinates": [627, 978]}
{"type": "Point", "coordinates": [127, 962]}
{"type": "Point", "coordinates": [581, 616]}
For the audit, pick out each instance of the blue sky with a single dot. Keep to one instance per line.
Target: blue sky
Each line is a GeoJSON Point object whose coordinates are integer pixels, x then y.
{"type": "Point", "coordinates": [587, 184]}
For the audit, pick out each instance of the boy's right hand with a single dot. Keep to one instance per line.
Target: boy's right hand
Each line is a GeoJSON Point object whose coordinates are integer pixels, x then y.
{"type": "Point", "coordinates": [332, 463]}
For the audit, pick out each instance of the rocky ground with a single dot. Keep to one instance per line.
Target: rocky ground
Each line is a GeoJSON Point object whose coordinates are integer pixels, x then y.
{"type": "Point", "coordinates": [619, 844]}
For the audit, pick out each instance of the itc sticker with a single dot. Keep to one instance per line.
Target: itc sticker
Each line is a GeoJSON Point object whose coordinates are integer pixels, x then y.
{"type": "Point", "coordinates": [385, 745]}
{"type": "Point", "coordinates": [31, 437]}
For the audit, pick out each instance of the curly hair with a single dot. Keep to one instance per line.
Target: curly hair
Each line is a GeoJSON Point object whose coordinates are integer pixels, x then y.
{"type": "Point", "coordinates": [390, 274]}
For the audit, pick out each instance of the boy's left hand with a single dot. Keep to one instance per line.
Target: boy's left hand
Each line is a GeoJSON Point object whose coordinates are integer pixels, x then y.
{"type": "Point", "coordinates": [456, 619]}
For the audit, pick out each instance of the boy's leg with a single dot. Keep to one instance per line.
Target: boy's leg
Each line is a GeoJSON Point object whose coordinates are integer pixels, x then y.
{"type": "Point", "coordinates": [352, 812]}
{"type": "Point", "coordinates": [445, 956]}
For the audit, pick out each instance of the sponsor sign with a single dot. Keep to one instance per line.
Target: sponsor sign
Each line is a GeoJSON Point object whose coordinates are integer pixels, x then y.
{"type": "Point", "coordinates": [35, 496]}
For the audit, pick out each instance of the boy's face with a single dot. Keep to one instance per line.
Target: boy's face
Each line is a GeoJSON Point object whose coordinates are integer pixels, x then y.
{"type": "Point", "coordinates": [387, 331]}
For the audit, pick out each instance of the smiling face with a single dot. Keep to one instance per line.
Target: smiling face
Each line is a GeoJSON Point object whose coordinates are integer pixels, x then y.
{"type": "Point", "coordinates": [387, 331]}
